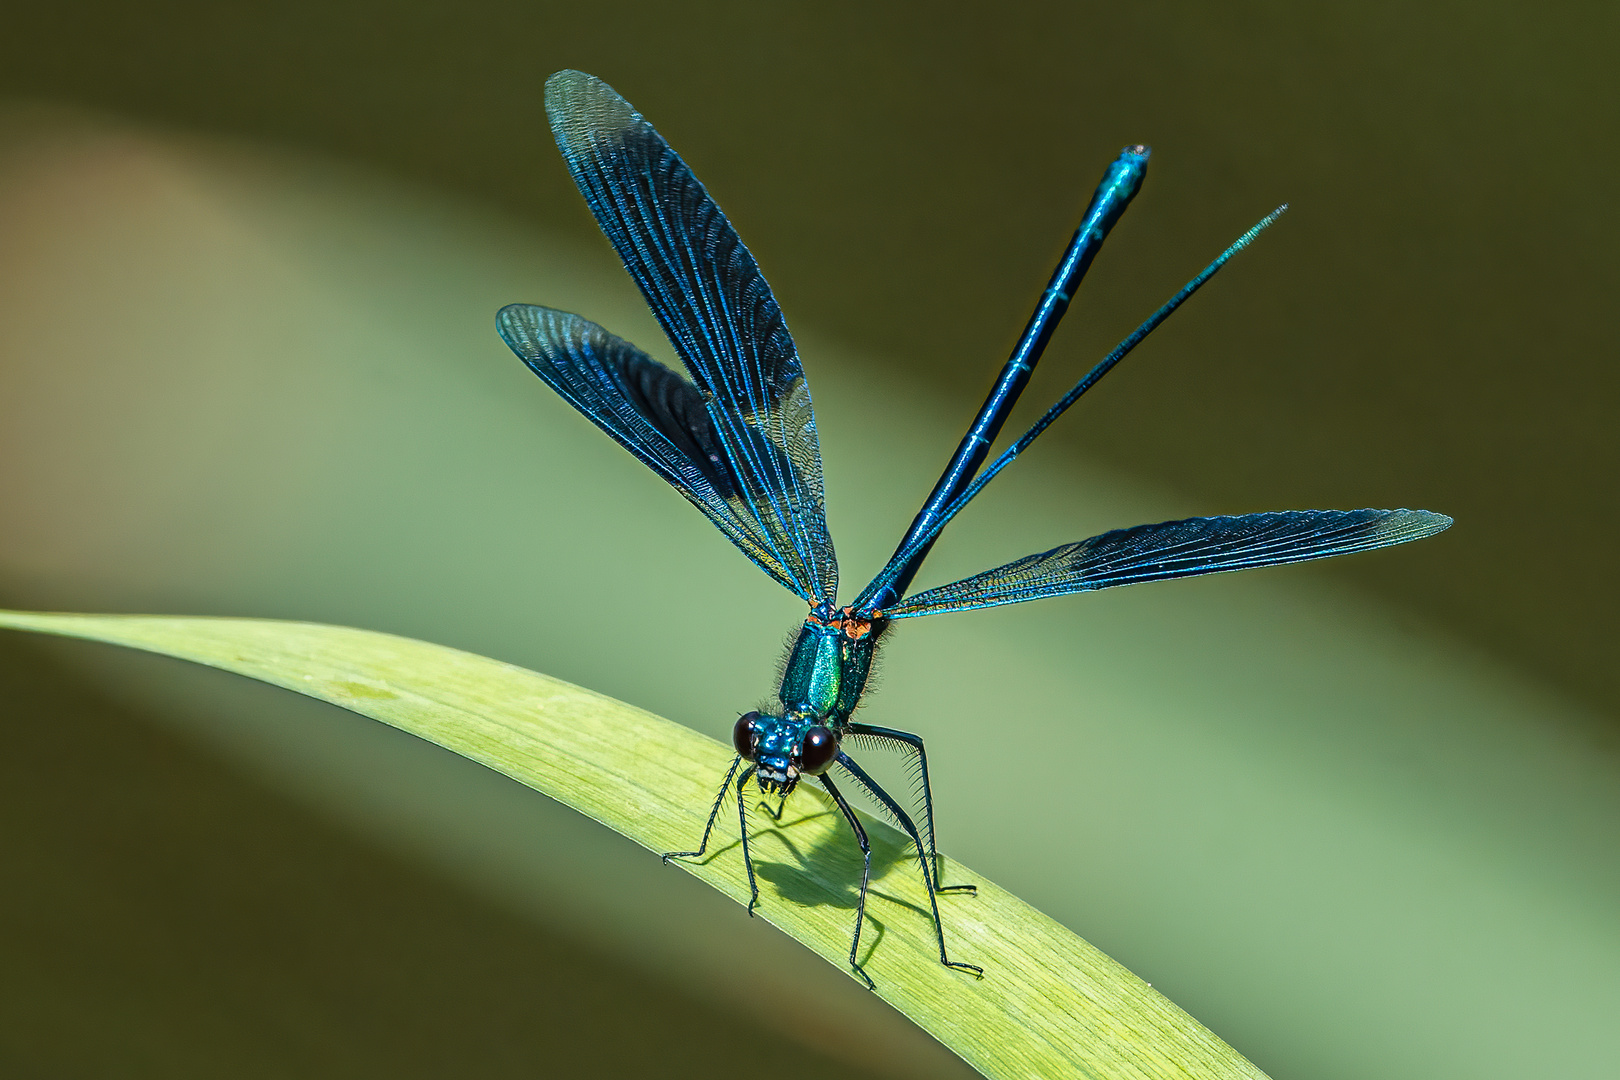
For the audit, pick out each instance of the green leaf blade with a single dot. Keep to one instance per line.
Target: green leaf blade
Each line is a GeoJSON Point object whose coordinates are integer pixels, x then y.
{"type": "Point", "coordinates": [1050, 1004]}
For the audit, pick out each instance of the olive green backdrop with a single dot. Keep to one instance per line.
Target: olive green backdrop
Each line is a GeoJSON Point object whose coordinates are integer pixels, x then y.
{"type": "Point", "coordinates": [1431, 325]}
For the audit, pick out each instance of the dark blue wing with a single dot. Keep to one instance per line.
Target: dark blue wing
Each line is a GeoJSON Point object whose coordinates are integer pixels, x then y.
{"type": "Point", "coordinates": [709, 296]}
{"type": "Point", "coordinates": [1173, 549]}
{"type": "Point", "coordinates": [650, 410]}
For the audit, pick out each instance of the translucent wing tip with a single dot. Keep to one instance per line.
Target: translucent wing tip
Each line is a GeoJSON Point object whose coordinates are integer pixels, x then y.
{"type": "Point", "coordinates": [579, 104]}
{"type": "Point", "coordinates": [1401, 526]}
{"type": "Point", "coordinates": [516, 324]}
{"type": "Point", "coordinates": [515, 312]}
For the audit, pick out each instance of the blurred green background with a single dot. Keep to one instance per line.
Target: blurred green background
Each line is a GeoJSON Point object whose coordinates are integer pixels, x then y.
{"type": "Point", "coordinates": [1358, 818]}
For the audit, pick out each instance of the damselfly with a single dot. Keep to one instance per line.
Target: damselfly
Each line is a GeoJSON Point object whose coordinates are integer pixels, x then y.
{"type": "Point", "coordinates": [738, 439]}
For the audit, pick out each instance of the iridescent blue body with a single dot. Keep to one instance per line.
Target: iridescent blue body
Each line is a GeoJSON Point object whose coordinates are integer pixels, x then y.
{"type": "Point", "coordinates": [828, 664]}
{"type": "Point", "coordinates": [823, 679]}
{"type": "Point", "coordinates": [813, 678]}
{"type": "Point", "coordinates": [737, 438]}
{"type": "Point", "coordinates": [1118, 187]}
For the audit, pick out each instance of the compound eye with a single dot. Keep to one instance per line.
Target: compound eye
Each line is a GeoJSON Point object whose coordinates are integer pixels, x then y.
{"type": "Point", "coordinates": [744, 736]}
{"type": "Point", "coordinates": [818, 750]}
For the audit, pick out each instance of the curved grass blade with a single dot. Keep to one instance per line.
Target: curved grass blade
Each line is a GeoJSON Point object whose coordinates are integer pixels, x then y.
{"type": "Point", "coordinates": [1050, 1004]}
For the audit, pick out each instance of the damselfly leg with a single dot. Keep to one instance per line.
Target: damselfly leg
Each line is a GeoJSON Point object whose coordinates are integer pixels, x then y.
{"type": "Point", "coordinates": [742, 825]}
{"type": "Point", "coordinates": [714, 812]}
{"type": "Point", "coordinates": [866, 876]}
{"type": "Point", "coordinates": [914, 744]}
{"type": "Point", "coordinates": [902, 818]}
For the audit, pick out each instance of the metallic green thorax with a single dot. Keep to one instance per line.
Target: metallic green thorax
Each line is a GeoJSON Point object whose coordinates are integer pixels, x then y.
{"type": "Point", "coordinates": [827, 667]}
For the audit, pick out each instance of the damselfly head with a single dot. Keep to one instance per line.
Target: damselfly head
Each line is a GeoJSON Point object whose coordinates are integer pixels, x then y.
{"type": "Point", "coordinates": [745, 735]}
{"type": "Point", "coordinates": [768, 742]}
{"type": "Point", "coordinates": [777, 775]}
{"type": "Point", "coordinates": [818, 748]}
{"type": "Point", "coordinates": [784, 748]}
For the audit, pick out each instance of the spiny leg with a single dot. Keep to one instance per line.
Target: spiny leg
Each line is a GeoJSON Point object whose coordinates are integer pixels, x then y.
{"type": "Point", "coordinates": [866, 875]}
{"type": "Point", "coordinates": [742, 822]}
{"type": "Point", "coordinates": [714, 812]}
{"type": "Point", "coordinates": [915, 743]}
{"type": "Point", "coordinates": [872, 787]}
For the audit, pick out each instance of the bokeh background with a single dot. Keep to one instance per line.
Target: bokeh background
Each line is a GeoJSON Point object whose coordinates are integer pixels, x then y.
{"type": "Point", "coordinates": [1359, 818]}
